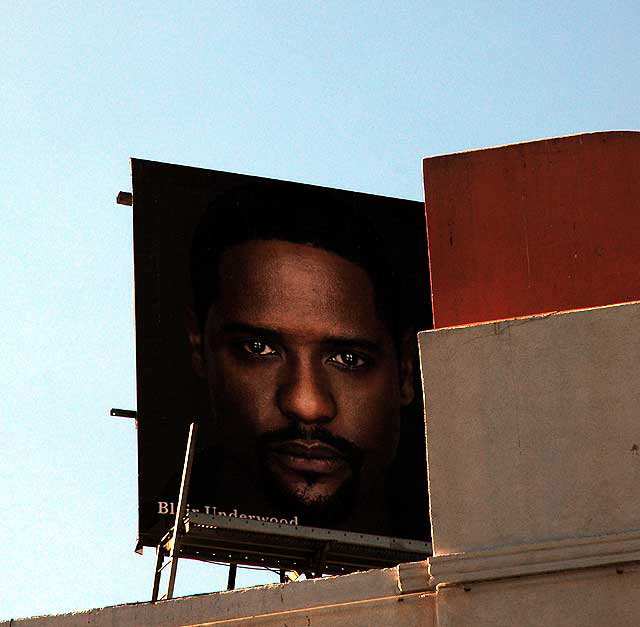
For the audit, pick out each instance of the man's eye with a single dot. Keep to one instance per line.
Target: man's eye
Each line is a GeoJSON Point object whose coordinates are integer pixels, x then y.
{"type": "Point", "coordinates": [258, 347]}
{"type": "Point", "coordinates": [348, 360]}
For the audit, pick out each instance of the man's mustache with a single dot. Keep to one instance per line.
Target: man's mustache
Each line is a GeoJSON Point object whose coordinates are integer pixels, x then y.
{"type": "Point", "coordinates": [352, 453]}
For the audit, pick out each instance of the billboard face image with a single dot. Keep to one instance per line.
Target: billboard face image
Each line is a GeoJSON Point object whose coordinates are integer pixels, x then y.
{"type": "Point", "coordinates": [282, 317]}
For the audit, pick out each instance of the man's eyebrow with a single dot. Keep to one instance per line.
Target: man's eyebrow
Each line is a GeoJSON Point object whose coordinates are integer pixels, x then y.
{"type": "Point", "coordinates": [352, 342]}
{"type": "Point", "coordinates": [243, 327]}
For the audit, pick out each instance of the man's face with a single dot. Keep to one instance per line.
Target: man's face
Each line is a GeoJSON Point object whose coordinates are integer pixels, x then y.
{"type": "Point", "coordinates": [305, 380]}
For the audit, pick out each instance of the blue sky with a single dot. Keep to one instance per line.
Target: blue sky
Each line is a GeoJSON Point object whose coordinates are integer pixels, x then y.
{"type": "Point", "coordinates": [345, 94]}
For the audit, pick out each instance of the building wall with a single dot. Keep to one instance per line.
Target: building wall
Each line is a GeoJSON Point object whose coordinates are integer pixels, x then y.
{"type": "Point", "coordinates": [356, 600]}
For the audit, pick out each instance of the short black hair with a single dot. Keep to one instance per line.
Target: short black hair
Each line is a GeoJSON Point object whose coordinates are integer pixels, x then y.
{"type": "Point", "coordinates": [329, 219]}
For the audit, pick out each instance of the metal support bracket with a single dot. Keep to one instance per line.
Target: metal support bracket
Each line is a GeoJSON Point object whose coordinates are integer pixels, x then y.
{"type": "Point", "coordinates": [123, 413]}
{"type": "Point", "coordinates": [125, 198]}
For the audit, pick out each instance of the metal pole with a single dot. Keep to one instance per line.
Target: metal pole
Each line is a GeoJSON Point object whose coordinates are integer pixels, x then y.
{"type": "Point", "coordinates": [182, 508]}
{"type": "Point", "coordinates": [231, 582]}
{"type": "Point", "coordinates": [158, 572]}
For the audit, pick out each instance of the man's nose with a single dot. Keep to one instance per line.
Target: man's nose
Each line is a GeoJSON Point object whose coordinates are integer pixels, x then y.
{"type": "Point", "coordinates": [304, 394]}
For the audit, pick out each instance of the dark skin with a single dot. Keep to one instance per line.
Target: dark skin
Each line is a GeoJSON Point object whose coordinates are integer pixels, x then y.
{"type": "Point", "coordinates": [305, 381]}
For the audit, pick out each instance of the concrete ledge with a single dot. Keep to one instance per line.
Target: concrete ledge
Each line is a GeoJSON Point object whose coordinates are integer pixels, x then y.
{"type": "Point", "coordinates": [414, 577]}
{"type": "Point", "coordinates": [547, 557]}
{"type": "Point", "coordinates": [593, 597]}
{"type": "Point", "coordinates": [360, 599]}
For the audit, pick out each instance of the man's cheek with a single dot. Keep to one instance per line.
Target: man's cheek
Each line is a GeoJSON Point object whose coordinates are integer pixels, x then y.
{"type": "Point", "coordinates": [376, 428]}
{"type": "Point", "coordinates": [249, 408]}
{"type": "Point", "coordinates": [230, 380]}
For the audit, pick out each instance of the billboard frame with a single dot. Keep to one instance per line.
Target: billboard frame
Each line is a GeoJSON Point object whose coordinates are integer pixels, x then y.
{"type": "Point", "coordinates": [190, 190]}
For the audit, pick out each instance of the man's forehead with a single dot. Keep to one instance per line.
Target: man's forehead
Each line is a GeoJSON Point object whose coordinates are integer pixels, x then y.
{"type": "Point", "coordinates": [284, 285]}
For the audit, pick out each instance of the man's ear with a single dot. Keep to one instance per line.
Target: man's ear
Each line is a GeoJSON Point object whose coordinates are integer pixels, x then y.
{"type": "Point", "coordinates": [196, 341]}
{"type": "Point", "coordinates": [407, 357]}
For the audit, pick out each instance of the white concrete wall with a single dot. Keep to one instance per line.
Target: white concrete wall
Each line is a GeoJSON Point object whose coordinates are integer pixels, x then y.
{"type": "Point", "coordinates": [358, 600]}
{"type": "Point", "coordinates": [596, 597]}
{"type": "Point", "coordinates": [533, 428]}
{"type": "Point", "coordinates": [599, 597]}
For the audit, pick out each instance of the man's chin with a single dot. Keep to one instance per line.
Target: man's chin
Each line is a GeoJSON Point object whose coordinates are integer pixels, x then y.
{"type": "Point", "coordinates": [317, 501]}
{"type": "Point", "coordinates": [312, 495]}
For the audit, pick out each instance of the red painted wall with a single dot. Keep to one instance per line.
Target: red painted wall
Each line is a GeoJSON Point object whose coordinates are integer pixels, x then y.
{"type": "Point", "coordinates": [536, 227]}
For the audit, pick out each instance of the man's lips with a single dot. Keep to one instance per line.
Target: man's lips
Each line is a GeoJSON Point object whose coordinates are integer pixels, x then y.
{"type": "Point", "coordinates": [312, 450]}
{"type": "Point", "coordinates": [308, 456]}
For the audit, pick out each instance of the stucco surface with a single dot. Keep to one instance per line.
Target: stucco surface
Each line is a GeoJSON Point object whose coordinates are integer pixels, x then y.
{"type": "Point", "coordinates": [357, 600]}
{"type": "Point", "coordinates": [593, 598]}
{"type": "Point", "coordinates": [533, 428]}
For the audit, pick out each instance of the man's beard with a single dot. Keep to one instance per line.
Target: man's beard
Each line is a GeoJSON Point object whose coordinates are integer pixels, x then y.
{"type": "Point", "coordinates": [320, 511]}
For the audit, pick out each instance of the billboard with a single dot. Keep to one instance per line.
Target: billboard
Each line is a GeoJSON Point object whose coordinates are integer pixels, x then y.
{"type": "Point", "coordinates": [282, 317]}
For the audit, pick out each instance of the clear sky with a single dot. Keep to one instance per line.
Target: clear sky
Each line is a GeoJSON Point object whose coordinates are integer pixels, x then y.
{"type": "Point", "coordinates": [346, 94]}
